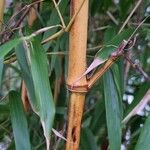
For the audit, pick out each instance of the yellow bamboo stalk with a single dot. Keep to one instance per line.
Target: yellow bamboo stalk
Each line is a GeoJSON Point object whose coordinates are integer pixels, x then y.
{"type": "Point", "coordinates": [77, 65]}
{"type": "Point", "coordinates": [2, 7]}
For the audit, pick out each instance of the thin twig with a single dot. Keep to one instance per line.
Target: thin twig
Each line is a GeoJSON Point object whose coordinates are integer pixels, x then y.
{"type": "Point", "coordinates": [57, 34]}
{"type": "Point", "coordinates": [112, 17]}
{"type": "Point", "coordinates": [24, 8]}
{"type": "Point", "coordinates": [15, 26]}
{"type": "Point", "coordinates": [40, 31]}
{"type": "Point", "coordinates": [60, 16]}
{"type": "Point", "coordinates": [100, 28]}
{"type": "Point", "coordinates": [138, 67]}
{"type": "Point", "coordinates": [94, 48]}
{"type": "Point", "coordinates": [74, 16]}
{"type": "Point", "coordinates": [130, 15]}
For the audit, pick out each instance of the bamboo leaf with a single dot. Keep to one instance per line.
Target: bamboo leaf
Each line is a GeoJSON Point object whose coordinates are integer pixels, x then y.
{"type": "Point", "coordinates": [119, 85]}
{"type": "Point", "coordinates": [8, 46]}
{"type": "Point", "coordinates": [112, 45]}
{"type": "Point", "coordinates": [42, 88]}
{"type": "Point", "coordinates": [19, 122]}
{"type": "Point", "coordinates": [26, 74]}
{"type": "Point", "coordinates": [113, 115]}
{"type": "Point", "coordinates": [37, 76]}
{"type": "Point", "coordinates": [143, 141]}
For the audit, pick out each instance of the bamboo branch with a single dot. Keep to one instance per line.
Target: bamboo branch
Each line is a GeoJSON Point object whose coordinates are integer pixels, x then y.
{"type": "Point", "coordinates": [112, 59]}
{"type": "Point", "coordinates": [60, 16]}
{"type": "Point", "coordinates": [77, 65]}
{"type": "Point", "coordinates": [100, 72]}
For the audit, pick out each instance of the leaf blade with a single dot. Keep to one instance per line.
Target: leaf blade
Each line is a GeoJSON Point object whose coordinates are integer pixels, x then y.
{"type": "Point", "coordinates": [42, 88]}
{"type": "Point", "coordinates": [112, 112]}
{"type": "Point", "coordinates": [8, 46]}
{"type": "Point", "coordinates": [19, 122]}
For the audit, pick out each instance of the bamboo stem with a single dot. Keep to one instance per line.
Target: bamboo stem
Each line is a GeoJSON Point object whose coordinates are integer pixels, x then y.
{"type": "Point", "coordinates": [77, 66]}
{"type": "Point", "coordinates": [2, 6]}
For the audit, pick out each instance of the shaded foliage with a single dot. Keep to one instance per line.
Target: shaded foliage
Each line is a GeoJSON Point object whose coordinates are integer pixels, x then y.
{"type": "Point", "coordinates": [43, 68]}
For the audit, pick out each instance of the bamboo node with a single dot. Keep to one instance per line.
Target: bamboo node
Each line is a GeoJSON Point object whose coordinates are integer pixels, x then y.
{"type": "Point", "coordinates": [78, 88]}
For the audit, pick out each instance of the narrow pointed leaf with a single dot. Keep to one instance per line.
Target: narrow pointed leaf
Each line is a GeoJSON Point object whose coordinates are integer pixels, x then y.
{"type": "Point", "coordinates": [8, 46]}
{"type": "Point", "coordinates": [19, 122]}
{"type": "Point", "coordinates": [113, 115]}
{"type": "Point", "coordinates": [26, 74]}
{"type": "Point", "coordinates": [117, 80]}
{"type": "Point", "coordinates": [39, 70]}
{"type": "Point", "coordinates": [111, 46]}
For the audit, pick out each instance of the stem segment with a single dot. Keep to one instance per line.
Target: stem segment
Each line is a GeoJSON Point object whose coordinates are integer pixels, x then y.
{"type": "Point", "coordinates": [77, 66]}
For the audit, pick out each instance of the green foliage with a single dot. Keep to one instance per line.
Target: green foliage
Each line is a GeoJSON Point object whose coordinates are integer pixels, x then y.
{"type": "Point", "coordinates": [43, 68]}
{"type": "Point", "coordinates": [19, 122]}
{"type": "Point", "coordinates": [113, 113]}
{"type": "Point", "coordinates": [105, 52]}
{"type": "Point", "coordinates": [39, 71]}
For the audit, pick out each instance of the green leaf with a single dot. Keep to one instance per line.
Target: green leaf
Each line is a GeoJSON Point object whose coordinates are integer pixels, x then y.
{"type": "Point", "coordinates": [39, 70]}
{"type": "Point", "coordinates": [26, 74]}
{"type": "Point", "coordinates": [143, 141]}
{"type": "Point", "coordinates": [19, 122]}
{"type": "Point", "coordinates": [125, 5]}
{"type": "Point", "coordinates": [8, 46]}
{"type": "Point", "coordinates": [109, 34]}
{"type": "Point", "coordinates": [113, 115]}
{"type": "Point", "coordinates": [119, 85]}
{"type": "Point", "coordinates": [105, 52]}
{"type": "Point", "coordinates": [88, 141]}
